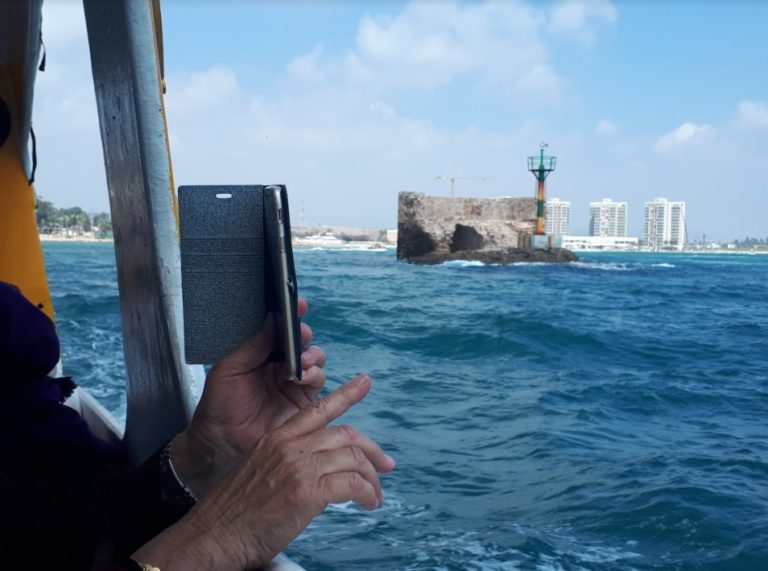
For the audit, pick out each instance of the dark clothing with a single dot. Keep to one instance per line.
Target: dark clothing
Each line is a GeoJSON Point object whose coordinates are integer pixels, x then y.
{"type": "Point", "coordinates": [68, 500]}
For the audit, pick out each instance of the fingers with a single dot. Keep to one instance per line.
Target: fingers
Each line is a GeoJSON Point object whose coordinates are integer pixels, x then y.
{"type": "Point", "coordinates": [303, 307]}
{"type": "Point", "coordinates": [318, 414]}
{"type": "Point", "coordinates": [313, 377]}
{"type": "Point", "coordinates": [345, 436]}
{"type": "Point", "coordinates": [350, 459]}
{"type": "Point", "coordinates": [313, 356]}
{"type": "Point", "coordinates": [306, 335]}
{"type": "Point", "coordinates": [347, 486]}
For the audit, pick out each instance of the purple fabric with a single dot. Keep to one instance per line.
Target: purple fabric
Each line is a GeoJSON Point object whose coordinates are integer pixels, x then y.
{"type": "Point", "coordinates": [67, 499]}
{"type": "Point", "coordinates": [29, 347]}
{"type": "Point", "coordinates": [30, 401]}
{"type": "Point", "coordinates": [56, 477]}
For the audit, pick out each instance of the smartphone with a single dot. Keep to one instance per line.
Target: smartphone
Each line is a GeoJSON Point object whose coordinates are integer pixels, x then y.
{"type": "Point", "coordinates": [223, 268]}
{"type": "Point", "coordinates": [280, 261]}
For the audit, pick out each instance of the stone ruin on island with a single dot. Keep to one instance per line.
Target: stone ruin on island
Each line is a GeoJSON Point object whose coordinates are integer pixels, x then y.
{"type": "Point", "coordinates": [433, 229]}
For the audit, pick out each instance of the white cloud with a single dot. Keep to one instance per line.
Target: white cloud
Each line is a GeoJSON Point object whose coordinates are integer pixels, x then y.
{"type": "Point", "coordinates": [382, 108]}
{"type": "Point", "coordinates": [498, 44]}
{"type": "Point", "coordinates": [343, 155]}
{"type": "Point", "coordinates": [202, 89]}
{"type": "Point", "coordinates": [70, 161]}
{"type": "Point", "coordinates": [63, 23]}
{"type": "Point", "coordinates": [753, 114]}
{"type": "Point", "coordinates": [540, 80]}
{"type": "Point", "coordinates": [606, 127]}
{"type": "Point", "coordinates": [686, 135]}
{"type": "Point", "coordinates": [579, 19]}
{"type": "Point", "coordinates": [307, 67]}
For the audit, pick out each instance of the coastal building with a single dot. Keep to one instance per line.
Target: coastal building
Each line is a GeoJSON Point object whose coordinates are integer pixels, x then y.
{"type": "Point", "coordinates": [664, 225]}
{"type": "Point", "coordinates": [608, 218]}
{"type": "Point", "coordinates": [592, 243]}
{"type": "Point", "coordinates": [558, 217]}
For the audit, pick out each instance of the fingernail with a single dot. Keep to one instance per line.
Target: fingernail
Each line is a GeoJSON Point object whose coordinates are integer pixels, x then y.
{"type": "Point", "coordinates": [390, 460]}
{"type": "Point", "coordinates": [305, 358]}
{"type": "Point", "coordinates": [358, 380]}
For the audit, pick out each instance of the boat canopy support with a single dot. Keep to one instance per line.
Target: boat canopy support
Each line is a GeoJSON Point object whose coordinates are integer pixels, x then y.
{"type": "Point", "coordinates": [125, 57]}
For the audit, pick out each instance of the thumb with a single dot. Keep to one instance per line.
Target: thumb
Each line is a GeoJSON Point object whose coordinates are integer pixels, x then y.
{"type": "Point", "coordinates": [252, 353]}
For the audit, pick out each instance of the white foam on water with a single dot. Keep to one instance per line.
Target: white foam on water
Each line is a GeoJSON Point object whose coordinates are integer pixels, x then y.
{"type": "Point", "coordinates": [344, 507]}
{"type": "Point", "coordinates": [467, 549]}
{"type": "Point", "coordinates": [475, 553]}
{"type": "Point", "coordinates": [603, 266]}
{"type": "Point", "coordinates": [549, 563]}
{"type": "Point", "coordinates": [473, 549]}
{"type": "Point", "coordinates": [585, 553]}
{"type": "Point", "coordinates": [463, 264]}
{"type": "Point", "coordinates": [523, 264]}
{"type": "Point", "coordinates": [592, 554]}
{"type": "Point", "coordinates": [664, 265]}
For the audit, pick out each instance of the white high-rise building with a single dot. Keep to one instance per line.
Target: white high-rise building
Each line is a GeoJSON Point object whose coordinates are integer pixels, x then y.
{"type": "Point", "coordinates": [558, 217]}
{"type": "Point", "coordinates": [664, 227]}
{"type": "Point", "coordinates": [608, 218]}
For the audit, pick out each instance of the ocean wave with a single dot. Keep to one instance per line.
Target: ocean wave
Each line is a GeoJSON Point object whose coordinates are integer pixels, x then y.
{"type": "Point", "coordinates": [463, 264]}
{"type": "Point", "coordinates": [534, 549]}
{"type": "Point", "coordinates": [604, 415]}
{"type": "Point", "coordinates": [603, 266]}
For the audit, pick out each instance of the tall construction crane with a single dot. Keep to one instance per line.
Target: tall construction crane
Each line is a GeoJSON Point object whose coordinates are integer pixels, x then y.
{"type": "Point", "coordinates": [453, 179]}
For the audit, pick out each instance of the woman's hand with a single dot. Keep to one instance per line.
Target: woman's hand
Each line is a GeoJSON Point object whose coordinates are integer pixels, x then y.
{"type": "Point", "coordinates": [244, 398]}
{"type": "Point", "coordinates": [290, 477]}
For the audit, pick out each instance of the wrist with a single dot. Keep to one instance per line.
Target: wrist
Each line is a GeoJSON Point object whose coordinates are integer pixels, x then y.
{"type": "Point", "coordinates": [193, 462]}
{"type": "Point", "coordinates": [189, 545]}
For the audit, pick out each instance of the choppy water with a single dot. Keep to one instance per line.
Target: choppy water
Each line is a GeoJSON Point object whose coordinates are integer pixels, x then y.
{"type": "Point", "coordinates": [609, 414]}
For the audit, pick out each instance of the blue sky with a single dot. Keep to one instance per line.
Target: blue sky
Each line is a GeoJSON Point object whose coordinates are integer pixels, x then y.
{"type": "Point", "coordinates": [351, 102]}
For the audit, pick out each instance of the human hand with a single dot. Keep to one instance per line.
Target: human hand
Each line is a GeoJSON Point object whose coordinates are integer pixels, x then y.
{"type": "Point", "coordinates": [244, 397]}
{"type": "Point", "coordinates": [290, 477]}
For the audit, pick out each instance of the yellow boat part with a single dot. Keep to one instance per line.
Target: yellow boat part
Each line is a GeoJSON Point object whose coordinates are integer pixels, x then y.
{"type": "Point", "coordinates": [21, 255]}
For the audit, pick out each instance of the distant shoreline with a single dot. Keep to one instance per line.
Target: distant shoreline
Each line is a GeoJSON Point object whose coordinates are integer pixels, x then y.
{"type": "Point", "coordinates": [60, 238]}
{"type": "Point", "coordinates": [300, 244]}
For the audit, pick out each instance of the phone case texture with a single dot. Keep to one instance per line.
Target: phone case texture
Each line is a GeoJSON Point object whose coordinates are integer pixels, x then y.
{"type": "Point", "coordinates": [222, 268]}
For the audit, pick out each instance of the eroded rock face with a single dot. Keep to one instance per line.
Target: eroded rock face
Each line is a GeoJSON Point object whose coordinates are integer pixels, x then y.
{"type": "Point", "coordinates": [506, 256]}
{"type": "Point", "coordinates": [466, 238]}
{"type": "Point", "coordinates": [416, 242]}
{"type": "Point", "coordinates": [440, 224]}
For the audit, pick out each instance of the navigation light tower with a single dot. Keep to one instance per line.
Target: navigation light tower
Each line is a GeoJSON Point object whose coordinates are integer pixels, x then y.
{"type": "Point", "coordinates": [541, 166]}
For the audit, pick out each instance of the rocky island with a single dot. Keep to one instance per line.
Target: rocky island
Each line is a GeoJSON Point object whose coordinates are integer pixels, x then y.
{"type": "Point", "coordinates": [433, 229]}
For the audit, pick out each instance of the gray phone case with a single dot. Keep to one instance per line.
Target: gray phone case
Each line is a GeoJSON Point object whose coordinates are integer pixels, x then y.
{"type": "Point", "coordinates": [222, 268]}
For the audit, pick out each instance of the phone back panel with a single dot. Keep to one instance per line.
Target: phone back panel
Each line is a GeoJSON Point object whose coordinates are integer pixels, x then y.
{"type": "Point", "coordinates": [222, 268]}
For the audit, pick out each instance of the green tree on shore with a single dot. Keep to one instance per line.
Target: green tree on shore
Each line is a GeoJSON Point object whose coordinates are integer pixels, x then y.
{"type": "Point", "coordinates": [102, 224]}
{"type": "Point", "coordinates": [70, 220]}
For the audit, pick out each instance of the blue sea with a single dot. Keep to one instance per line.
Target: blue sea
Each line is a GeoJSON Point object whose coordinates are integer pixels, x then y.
{"type": "Point", "coordinates": [606, 414]}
